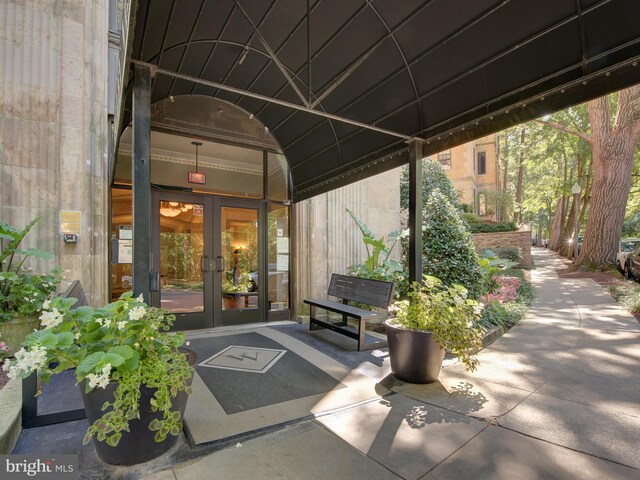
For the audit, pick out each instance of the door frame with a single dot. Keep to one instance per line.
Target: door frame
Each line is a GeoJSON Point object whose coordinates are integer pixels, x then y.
{"type": "Point", "coordinates": [212, 315]}
{"type": "Point", "coordinates": [241, 316]}
{"type": "Point", "coordinates": [194, 320]}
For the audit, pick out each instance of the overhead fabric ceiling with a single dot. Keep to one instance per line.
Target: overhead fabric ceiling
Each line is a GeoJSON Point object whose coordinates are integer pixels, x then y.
{"type": "Point", "coordinates": [442, 71]}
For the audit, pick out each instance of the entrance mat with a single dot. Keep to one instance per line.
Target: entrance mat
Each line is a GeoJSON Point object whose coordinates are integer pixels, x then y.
{"type": "Point", "coordinates": [248, 371]}
{"type": "Point", "coordinates": [252, 379]}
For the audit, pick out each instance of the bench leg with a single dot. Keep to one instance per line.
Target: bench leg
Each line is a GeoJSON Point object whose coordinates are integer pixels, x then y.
{"type": "Point", "coordinates": [361, 334]}
{"type": "Point", "coordinates": [312, 315]}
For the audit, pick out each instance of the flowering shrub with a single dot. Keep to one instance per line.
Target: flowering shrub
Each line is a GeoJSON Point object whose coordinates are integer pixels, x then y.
{"type": "Point", "coordinates": [22, 291]}
{"type": "Point", "coordinates": [445, 311]}
{"type": "Point", "coordinates": [4, 350]}
{"type": "Point", "coordinates": [120, 342]}
{"type": "Point", "coordinates": [507, 290]}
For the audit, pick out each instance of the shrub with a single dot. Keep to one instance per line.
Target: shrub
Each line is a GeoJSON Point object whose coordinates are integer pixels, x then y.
{"type": "Point", "coordinates": [510, 253]}
{"type": "Point", "coordinates": [628, 295]}
{"type": "Point", "coordinates": [433, 178]}
{"type": "Point", "coordinates": [448, 251]}
{"type": "Point", "coordinates": [492, 227]}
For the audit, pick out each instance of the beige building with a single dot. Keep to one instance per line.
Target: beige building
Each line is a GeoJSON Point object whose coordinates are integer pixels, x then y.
{"type": "Point", "coordinates": [473, 169]}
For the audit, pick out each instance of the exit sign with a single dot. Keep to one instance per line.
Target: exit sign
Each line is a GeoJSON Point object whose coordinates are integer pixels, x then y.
{"type": "Point", "coordinates": [196, 177]}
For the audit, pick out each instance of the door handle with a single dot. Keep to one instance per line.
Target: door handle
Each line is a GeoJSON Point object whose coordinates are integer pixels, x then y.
{"type": "Point", "coordinates": [204, 264]}
{"type": "Point", "coordinates": [223, 264]}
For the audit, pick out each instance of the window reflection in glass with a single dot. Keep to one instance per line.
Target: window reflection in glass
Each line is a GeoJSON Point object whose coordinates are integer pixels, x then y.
{"type": "Point", "coordinates": [181, 253]}
{"type": "Point", "coordinates": [240, 280]}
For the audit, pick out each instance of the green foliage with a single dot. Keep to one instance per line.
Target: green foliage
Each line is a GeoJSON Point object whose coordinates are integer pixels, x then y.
{"type": "Point", "coordinates": [242, 285]}
{"type": "Point", "coordinates": [492, 227]}
{"type": "Point", "coordinates": [448, 251]}
{"type": "Point", "coordinates": [507, 314]}
{"type": "Point", "coordinates": [445, 311]}
{"type": "Point", "coordinates": [22, 291]}
{"type": "Point", "coordinates": [433, 178]}
{"type": "Point", "coordinates": [628, 295]}
{"type": "Point", "coordinates": [491, 265]}
{"type": "Point", "coordinates": [121, 342]}
{"type": "Point", "coordinates": [378, 265]}
{"type": "Point", "coordinates": [510, 253]}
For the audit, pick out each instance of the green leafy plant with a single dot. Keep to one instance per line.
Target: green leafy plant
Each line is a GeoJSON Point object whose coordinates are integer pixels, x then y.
{"type": "Point", "coordinates": [241, 286]}
{"type": "Point", "coordinates": [448, 251]}
{"type": "Point", "coordinates": [121, 342]}
{"type": "Point", "coordinates": [445, 311]}
{"type": "Point", "coordinates": [490, 265]}
{"type": "Point", "coordinates": [22, 291]}
{"type": "Point", "coordinates": [378, 265]}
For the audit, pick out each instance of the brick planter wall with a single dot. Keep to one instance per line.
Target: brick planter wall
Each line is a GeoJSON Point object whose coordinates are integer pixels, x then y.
{"type": "Point", "coordinates": [521, 240]}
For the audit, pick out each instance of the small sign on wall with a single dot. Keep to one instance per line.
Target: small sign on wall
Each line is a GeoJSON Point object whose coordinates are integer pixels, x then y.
{"type": "Point", "coordinates": [70, 221]}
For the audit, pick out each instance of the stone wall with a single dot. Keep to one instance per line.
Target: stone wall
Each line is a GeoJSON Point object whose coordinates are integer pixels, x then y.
{"type": "Point", "coordinates": [53, 130]}
{"type": "Point", "coordinates": [520, 239]}
{"type": "Point", "coordinates": [328, 241]}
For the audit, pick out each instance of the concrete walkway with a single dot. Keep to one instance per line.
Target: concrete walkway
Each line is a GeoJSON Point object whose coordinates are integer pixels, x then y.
{"type": "Point", "coordinates": [556, 397]}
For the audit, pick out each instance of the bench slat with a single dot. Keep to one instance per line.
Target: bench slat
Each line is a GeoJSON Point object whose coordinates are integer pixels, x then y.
{"type": "Point", "coordinates": [370, 292]}
{"type": "Point", "coordinates": [342, 308]}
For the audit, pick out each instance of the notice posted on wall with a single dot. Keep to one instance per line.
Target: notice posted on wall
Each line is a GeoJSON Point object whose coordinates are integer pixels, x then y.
{"type": "Point", "coordinates": [283, 244]}
{"type": "Point", "coordinates": [125, 251]}
{"type": "Point", "coordinates": [125, 232]}
{"type": "Point", "coordinates": [282, 263]}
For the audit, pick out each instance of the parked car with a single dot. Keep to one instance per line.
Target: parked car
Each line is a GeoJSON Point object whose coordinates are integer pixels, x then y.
{"type": "Point", "coordinates": [626, 246]}
{"type": "Point", "coordinates": [631, 267]}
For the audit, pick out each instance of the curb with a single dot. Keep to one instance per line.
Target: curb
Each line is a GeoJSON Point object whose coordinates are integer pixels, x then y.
{"type": "Point", "coordinates": [10, 415]}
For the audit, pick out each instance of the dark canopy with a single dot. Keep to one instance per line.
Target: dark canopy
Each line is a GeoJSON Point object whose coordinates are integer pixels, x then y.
{"type": "Point", "coordinates": [445, 71]}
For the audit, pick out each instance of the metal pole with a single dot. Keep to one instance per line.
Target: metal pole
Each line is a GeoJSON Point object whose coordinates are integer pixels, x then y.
{"type": "Point", "coordinates": [141, 176]}
{"type": "Point", "coordinates": [415, 212]}
{"type": "Point", "coordinates": [576, 230]}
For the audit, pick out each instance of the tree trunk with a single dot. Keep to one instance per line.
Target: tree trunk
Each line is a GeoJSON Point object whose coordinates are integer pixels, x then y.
{"type": "Point", "coordinates": [611, 183]}
{"type": "Point", "coordinates": [518, 217]}
{"type": "Point", "coordinates": [505, 172]}
{"type": "Point", "coordinates": [613, 154]}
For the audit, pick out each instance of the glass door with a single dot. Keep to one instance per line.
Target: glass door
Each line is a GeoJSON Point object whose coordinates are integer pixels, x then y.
{"type": "Point", "coordinates": [239, 237]}
{"type": "Point", "coordinates": [182, 250]}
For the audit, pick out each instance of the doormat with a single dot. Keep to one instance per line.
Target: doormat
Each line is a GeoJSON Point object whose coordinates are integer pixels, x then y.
{"type": "Point", "coordinates": [252, 379]}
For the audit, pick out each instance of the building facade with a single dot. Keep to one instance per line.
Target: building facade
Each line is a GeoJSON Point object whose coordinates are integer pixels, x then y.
{"type": "Point", "coordinates": [473, 169]}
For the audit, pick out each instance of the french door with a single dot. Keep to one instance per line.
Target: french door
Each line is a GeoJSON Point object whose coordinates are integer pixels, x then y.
{"type": "Point", "coordinates": [208, 259]}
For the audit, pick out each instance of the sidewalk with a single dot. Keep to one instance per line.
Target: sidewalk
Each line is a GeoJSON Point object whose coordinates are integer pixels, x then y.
{"type": "Point", "coordinates": [556, 397]}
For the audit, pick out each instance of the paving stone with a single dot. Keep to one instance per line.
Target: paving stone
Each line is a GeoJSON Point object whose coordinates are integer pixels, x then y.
{"type": "Point", "coordinates": [500, 454]}
{"type": "Point", "coordinates": [466, 395]}
{"type": "Point", "coordinates": [409, 437]}
{"type": "Point", "coordinates": [304, 452]}
{"type": "Point", "coordinates": [602, 432]}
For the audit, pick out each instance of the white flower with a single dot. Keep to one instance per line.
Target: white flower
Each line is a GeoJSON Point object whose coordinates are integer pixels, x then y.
{"type": "Point", "coordinates": [51, 319]}
{"type": "Point", "coordinates": [101, 380]}
{"type": "Point", "coordinates": [137, 313]}
{"type": "Point", "coordinates": [27, 361]}
{"type": "Point", "coordinates": [140, 298]}
{"type": "Point", "coordinates": [77, 336]}
{"type": "Point", "coordinates": [107, 322]}
{"type": "Point", "coordinates": [121, 324]}
{"type": "Point", "coordinates": [99, 321]}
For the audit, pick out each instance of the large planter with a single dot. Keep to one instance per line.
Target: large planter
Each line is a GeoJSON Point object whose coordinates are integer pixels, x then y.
{"type": "Point", "coordinates": [137, 445]}
{"type": "Point", "coordinates": [12, 333]}
{"type": "Point", "coordinates": [415, 355]}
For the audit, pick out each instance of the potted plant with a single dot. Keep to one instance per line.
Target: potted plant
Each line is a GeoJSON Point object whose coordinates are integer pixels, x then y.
{"type": "Point", "coordinates": [22, 291]}
{"type": "Point", "coordinates": [433, 318]}
{"type": "Point", "coordinates": [231, 289]}
{"type": "Point", "coordinates": [133, 378]}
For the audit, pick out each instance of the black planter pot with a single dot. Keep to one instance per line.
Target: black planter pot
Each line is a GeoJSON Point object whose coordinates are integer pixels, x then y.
{"type": "Point", "coordinates": [137, 445]}
{"type": "Point", "coordinates": [415, 356]}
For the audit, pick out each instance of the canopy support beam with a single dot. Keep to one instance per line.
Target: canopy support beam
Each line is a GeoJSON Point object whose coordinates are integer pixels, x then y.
{"type": "Point", "coordinates": [141, 176]}
{"type": "Point", "coordinates": [415, 212]}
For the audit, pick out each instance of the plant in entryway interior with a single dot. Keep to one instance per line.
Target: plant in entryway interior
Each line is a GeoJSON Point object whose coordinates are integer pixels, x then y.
{"type": "Point", "coordinates": [133, 378]}
{"type": "Point", "coordinates": [378, 265]}
{"type": "Point", "coordinates": [22, 290]}
{"type": "Point", "coordinates": [433, 318]}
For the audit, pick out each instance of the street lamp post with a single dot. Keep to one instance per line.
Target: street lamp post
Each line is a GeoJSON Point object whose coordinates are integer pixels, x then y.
{"type": "Point", "coordinates": [576, 200]}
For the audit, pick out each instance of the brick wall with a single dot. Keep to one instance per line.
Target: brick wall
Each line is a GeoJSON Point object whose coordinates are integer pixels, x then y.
{"type": "Point", "coordinates": [522, 240]}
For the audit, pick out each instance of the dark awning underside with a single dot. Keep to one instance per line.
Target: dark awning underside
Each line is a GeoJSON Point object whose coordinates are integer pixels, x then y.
{"type": "Point", "coordinates": [446, 71]}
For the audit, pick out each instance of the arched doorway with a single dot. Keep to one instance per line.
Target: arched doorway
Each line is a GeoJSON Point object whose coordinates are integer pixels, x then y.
{"type": "Point", "coordinates": [219, 215]}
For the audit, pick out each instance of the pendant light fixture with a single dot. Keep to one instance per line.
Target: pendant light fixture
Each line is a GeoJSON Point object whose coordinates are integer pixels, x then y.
{"type": "Point", "coordinates": [196, 177]}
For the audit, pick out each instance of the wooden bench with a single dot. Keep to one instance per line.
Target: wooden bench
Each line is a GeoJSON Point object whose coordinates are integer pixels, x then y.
{"type": "Point", "coordinates": [375, 293]}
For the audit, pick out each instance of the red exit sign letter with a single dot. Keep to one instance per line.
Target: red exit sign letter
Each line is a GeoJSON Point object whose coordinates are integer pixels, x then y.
{"type": "Point", "coordinates": [196, 177]}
